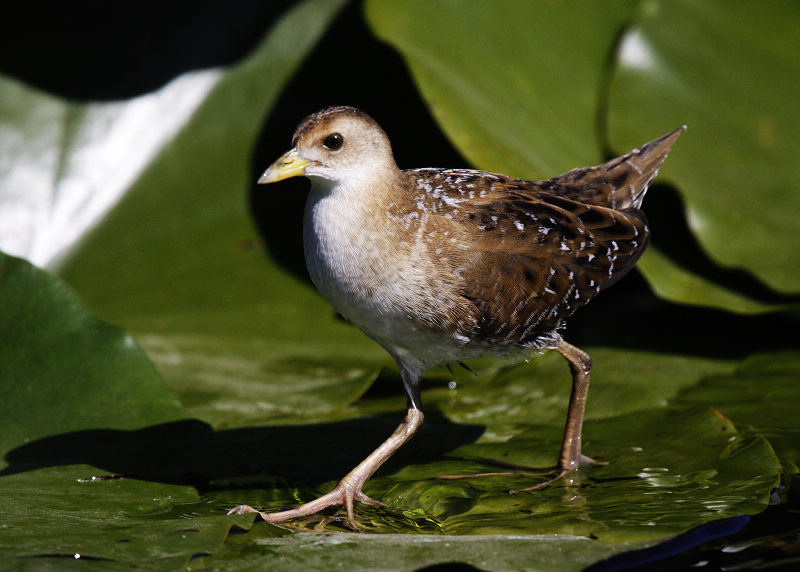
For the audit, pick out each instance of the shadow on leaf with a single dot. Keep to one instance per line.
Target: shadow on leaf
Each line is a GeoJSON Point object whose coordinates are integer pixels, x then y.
{"type": "Point", "coordinates": [191, 453]}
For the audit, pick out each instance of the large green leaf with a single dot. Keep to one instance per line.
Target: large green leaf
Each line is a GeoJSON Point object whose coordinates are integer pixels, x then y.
{"type": "Point", "coordinates": [515, 85]}
{"type": "Point", "coordinates": [64, 164]}
{"type": "Point", "coordinates": [195, 286]}
{"type": "Point", "coordinates": [81, 405]}
{"type": "Point", "coordinates": [761, 393]}
{"type": "Point", "coordinates": [409, 552]}
{"type": "Point", "coordinates": [672, 282]}
{"type": "Point", "coordinates": [66, 372]}
{"type": "Point", "coordinates": [658, 453]}
{"type": "Point", "coordinates": [52, 350]}
{"type": "Point", "coordinates": [678, 466]}
{"type": "Point", "coordinates": [79, 371]}
{"type": "Point", "coordinates": [65, 517]}
{"type": "Point", "coordinates": [532, 98]}
{"type": "Point", "coordinates": [731, 71]}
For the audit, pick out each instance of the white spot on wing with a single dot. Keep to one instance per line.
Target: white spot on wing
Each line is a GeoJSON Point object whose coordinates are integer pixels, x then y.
{"type": "Point", "coordinates": [461, 339]}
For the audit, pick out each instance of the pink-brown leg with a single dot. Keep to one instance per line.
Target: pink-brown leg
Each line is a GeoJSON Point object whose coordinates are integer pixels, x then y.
{"type": "Point", "coordinates": [349, 488]}
{"type": "Point", "coordinates": [580, 365]}
{"type": "Point", "coordinates": [570, 457]}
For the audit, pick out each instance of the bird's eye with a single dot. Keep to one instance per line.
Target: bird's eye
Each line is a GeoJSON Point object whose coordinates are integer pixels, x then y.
{"type": "Point", "coordinates": [333, 141]}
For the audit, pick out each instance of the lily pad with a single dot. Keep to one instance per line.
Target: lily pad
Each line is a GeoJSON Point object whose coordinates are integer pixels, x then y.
{"type": "Point", "coordinates": [664, 487]}
{"type": "Point", "coordinates": [760, 393]}
{"type": "Point", "coordinates": [80, 371]}
{"type": "Point", "coordinates": [65, 371]}
{"type": "Point", "coordinates": [196, 287]}
{"type": "Point", "coordinates": [98, 450]}
{"type": "Point", "coordinates": [731, 73]}
{"type": "Point", "coordinates": [515, 85]}
{"type": "Point", "coordinates": [675, 466]}
{"type": "Point", "coordinates": [672, 282]}
{"type": "Point", "coordinates": [66, 517]}
{"type": "Point", "coordinates": [373, 552]}
{"type": "Point", "coordinates": [658, 454]}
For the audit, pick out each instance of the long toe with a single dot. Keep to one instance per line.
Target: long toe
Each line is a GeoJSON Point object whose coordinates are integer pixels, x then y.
{"type": "Point", "coordinates": [364, 499]}
{"type": "Point", "coordinates": [589, 461]}
{"type": "Point", "coordinates": [560, 475]}
{"type": "Point", "coordinates": [339, 496]}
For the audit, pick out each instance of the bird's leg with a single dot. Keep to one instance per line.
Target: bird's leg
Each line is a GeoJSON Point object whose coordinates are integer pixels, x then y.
{"type": "Point", "coordinates": [580, 364]}
{"type": "Point", "coordinates": [349, 488]}
{"type": "Point", "coordinates": [570, 457]}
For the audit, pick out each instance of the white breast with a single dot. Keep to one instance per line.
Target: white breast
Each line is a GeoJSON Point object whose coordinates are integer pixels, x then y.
{"type": "Point", "coordinates": [366, 274]}
{"type": "Point", "coordinates": [351, 262]}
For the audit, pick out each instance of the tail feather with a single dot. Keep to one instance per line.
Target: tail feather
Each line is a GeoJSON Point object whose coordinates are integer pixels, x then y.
{"type": "Point", "coordinates": [632, 173]}
{"type": "Point", "coordinates": [620, 183]}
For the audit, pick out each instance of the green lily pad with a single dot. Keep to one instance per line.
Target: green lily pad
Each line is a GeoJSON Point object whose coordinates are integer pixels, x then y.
{"type": "Point", "coordinates": [515, 85]}
{"type": "Point", "coordinates": [676, 465]}
{"type": "Point", "coordinates": [196, 287]}
{"type": "Point", "coordinates": [671, 282]}
{"type": "Point", "coordinates": [80, 371]}
{"type": "Point", "coordinates": [531, 99]}
{"type": "Point", "coordinates": [98, 450]}
{"type": "Point", "coordinates": [380, 552]}
{"type": "Point", "coordinates": [66, 372]}
{"type": "Point", "coordinates": [66, 517]}
{"type": "Point", "coordinates": [731, 73]}
{"type": "Point", "coordinates": [760, 393]}
{"type": "Point", "coordinates": [662, 463]}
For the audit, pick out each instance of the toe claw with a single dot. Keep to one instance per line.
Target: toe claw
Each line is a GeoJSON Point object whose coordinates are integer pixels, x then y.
{"type": "Point", "coordinates": [242, 509]}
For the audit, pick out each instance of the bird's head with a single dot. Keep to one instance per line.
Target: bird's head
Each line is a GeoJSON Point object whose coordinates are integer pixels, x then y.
{"type": "Point", "coordinates": [339, 147]}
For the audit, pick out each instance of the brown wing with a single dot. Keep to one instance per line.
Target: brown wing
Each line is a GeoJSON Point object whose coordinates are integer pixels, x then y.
{"type": "Point", "coordinates": [536, 251]}
{"type": "Point", "coordinates": [537, 259]}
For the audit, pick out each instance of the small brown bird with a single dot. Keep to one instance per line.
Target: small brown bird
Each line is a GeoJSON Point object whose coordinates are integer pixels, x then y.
{"type": "Point", "coordinates": [443, 265]}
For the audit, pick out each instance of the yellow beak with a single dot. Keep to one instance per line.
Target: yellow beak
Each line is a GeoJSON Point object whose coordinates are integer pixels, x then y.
{"type": "Point", "coordinates": [289, 165]}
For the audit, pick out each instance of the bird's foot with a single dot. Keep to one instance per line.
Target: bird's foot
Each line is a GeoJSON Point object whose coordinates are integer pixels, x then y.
{"type": "Point", "coordinates": [560, 473]}
{"type": "Point", "coordinates": [349, 488]}
{"type": "Point", "coordinates": [524, 471]}
{"type": "Point", "coordinates": [344, 494]}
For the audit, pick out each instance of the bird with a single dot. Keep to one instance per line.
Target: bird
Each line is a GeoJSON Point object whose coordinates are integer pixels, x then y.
{"type": "Point", "coordinates": [439, 266]}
